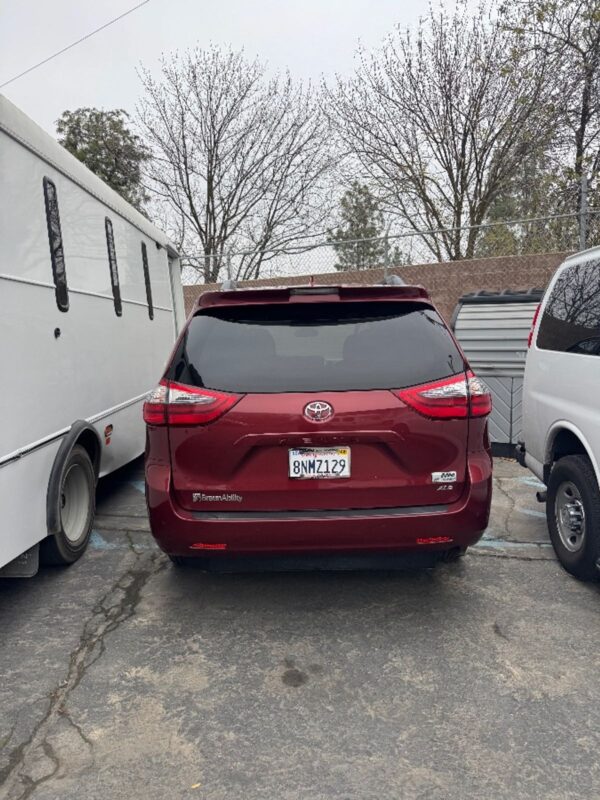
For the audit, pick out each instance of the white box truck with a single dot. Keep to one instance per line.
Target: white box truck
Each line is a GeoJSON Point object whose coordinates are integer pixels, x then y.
{"type": "Point", "coordinates": [91, 303]}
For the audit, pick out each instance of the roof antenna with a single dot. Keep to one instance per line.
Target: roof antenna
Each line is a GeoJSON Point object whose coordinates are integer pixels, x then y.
{"type": "Point", "coordinates": [393, 280]}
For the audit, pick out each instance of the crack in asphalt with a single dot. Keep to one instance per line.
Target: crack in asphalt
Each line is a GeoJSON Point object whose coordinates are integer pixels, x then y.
{"type": "Point", "coordinates": [497, 484]}
{"type": "Point", "coordinates": [116, 607]}
{"type": "Point", "coordinates": [66, 714]}
{"type": "Point", "coordinates": [8, 737]}
{"type": "Point", "coordinates": [131, 544]}
{"type": "Point", "coordinates": [30, 784]}
{"type": "Point", "coordinates": [504, 527]}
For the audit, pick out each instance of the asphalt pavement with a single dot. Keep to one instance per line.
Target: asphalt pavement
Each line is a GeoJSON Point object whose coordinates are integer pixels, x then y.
{"type": "Point", "coordinates": [123, 677]}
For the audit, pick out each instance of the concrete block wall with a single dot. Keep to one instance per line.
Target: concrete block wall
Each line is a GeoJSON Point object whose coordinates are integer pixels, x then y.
{"type": "Point", "coordinates": [446, 282]}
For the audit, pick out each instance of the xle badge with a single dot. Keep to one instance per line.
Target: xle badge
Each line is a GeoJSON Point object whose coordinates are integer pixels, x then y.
{"type": "Point", "coordinates": [443, 477]}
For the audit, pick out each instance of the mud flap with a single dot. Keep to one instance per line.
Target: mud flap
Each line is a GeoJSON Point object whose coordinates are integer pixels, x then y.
{"type": "Point", "coordinates": [24, 566]}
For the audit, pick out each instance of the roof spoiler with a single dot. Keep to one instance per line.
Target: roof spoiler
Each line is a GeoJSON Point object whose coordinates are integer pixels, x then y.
{"type": "Point", "coordinates": [323, 293]}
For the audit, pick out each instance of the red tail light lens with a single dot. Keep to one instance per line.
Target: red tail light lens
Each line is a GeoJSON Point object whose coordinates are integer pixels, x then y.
{"type": "Point", "coordinates": [155, 406]}
{"type": "Point", "coordinates": [535, 317]}
{"type": "Point", "coordinates": [191, 406]}
{"type": "Point", "coordinates": [480, 396]}
{"type": "Point", "coordinates": [176, 404]}
{"type": "Point", "coordinates": [458, 397]}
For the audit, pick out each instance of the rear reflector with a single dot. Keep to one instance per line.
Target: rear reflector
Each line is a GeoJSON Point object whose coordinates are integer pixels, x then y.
{"type": "Point", "coordinates": [208, 546]}
{"type": "Point", "coordinates": [435, 540]}
{"type": "Point", "coordinates": [177, 404]}
{"type": "Point", "coordinates": [458, 397]}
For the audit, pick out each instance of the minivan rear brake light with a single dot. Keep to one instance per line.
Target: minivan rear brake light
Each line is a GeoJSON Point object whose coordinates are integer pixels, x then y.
{"type": "Point", "coordinates": [314, 290]}
{"type": "Point", "coordinates": [458, 397]}
{"type": "Point", "coordinates": [177, 404]}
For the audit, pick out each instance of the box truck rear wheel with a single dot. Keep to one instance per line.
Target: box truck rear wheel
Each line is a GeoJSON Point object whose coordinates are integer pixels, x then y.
{"type": "Point", "coordinates": [76, 501]}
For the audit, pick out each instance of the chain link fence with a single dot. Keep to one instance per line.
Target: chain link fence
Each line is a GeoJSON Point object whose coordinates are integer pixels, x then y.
{"type": "Point", "coordinates": [365, 260]}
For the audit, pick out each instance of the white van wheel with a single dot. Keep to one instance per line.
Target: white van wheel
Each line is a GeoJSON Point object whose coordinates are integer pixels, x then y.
{"type": "Point", "coordinates": [76, 501]}
{"type": "Point", "coordinates": [573, 515]}
{"type": "Point", "coordinates": [570, 516]}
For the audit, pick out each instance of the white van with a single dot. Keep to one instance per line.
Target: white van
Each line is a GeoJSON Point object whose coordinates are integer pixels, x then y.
{"type": "Point", "coordinates": [561, 411]}
{"type": "Point", "coordinates": [91, 303]}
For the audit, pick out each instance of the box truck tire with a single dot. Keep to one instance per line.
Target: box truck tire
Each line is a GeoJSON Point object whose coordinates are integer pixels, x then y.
{"type": "Point", "coordinates": [76, 501]}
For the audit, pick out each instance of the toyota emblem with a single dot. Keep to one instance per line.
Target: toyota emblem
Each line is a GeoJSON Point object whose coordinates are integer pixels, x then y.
{"type": "Point", "coordinates": [318, 411]}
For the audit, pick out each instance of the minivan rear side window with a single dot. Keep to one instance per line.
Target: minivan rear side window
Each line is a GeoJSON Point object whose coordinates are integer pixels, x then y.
{"type": "Point", "coordinates": [315, 347]}
{"type": "Point", "coordinates": [571, 319]}
{"type": "Point", "coordinates": [114, 269]}
{"type": "Point", "coordinates": [57, 253]}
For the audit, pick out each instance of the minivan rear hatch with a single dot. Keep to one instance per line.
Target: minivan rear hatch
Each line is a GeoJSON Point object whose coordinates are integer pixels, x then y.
{"type": "Point", "coordinates": [314, 416]}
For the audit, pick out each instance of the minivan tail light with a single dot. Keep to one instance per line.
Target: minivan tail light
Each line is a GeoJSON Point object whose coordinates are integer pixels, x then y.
{"type": "Point", "coordinates": [480, 396]}
{"type": "Point", "coordinates": [191, 406]}
{"type": "Point", "coordinates": [533, 322]}
{"type": "Point", "coordinates": [177, 404]}
{"type": "Point", "coordinates": [155, 405]}
{"type": "Point", "coordinates": [458, 397]}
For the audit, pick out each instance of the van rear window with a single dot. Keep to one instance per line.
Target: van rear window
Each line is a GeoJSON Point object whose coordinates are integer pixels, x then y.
{"type": "Point", "coordinates": [315, 347]}
{"type": "Point", "coordinates": [571, 319]}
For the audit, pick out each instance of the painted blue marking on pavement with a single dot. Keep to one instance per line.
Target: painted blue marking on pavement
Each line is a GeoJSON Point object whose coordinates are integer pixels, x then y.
{"type": "Point", "coordinates": [98, 543]}
{"type": "Point", "coordinates": [529, 481]}
{"type": "Point", "coordinates": [531, 512]}
{"type": "Point", "coordinates": [500, 543]}
{"type": "Point", "coordinates": [490, 539]}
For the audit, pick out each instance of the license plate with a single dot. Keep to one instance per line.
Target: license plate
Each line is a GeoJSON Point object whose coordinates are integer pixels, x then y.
{"type": "Point", "coordinates": [319, 462]}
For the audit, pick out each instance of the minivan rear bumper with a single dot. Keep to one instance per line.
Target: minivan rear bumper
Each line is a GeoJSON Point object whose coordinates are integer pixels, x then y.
{"type": "Point", "coordinates": [442, 527]}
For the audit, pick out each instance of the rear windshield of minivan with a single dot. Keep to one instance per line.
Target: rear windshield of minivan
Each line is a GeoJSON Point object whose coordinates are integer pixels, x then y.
{"type": "Point", "coordinates": [308, 347]}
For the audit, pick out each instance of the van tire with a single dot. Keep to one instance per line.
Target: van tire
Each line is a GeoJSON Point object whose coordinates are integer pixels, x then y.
{"type": "Point", "coordinates": [77, 502]}
{"type": "Point", "coordinates": [578, 471]}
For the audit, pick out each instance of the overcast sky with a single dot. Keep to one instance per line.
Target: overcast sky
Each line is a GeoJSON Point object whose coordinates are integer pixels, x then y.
{"type": "Point", "coordinates": [313, 37]}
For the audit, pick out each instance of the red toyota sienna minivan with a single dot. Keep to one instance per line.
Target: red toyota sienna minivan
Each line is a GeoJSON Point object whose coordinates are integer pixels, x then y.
{"type": "Point", "coordinates": [317, 421]}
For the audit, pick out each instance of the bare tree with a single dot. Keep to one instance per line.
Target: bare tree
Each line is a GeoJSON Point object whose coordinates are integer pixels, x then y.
{"type": "Point", "coordinates": [239, 159]}
{"type": "Point", "coordinates": [568, 32]}
{"type": "Point", "coordinates": [442, 120]}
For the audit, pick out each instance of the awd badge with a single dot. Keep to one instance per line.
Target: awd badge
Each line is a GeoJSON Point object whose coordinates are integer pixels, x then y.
{"type": "Point", "coordinates": [443, 477]}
